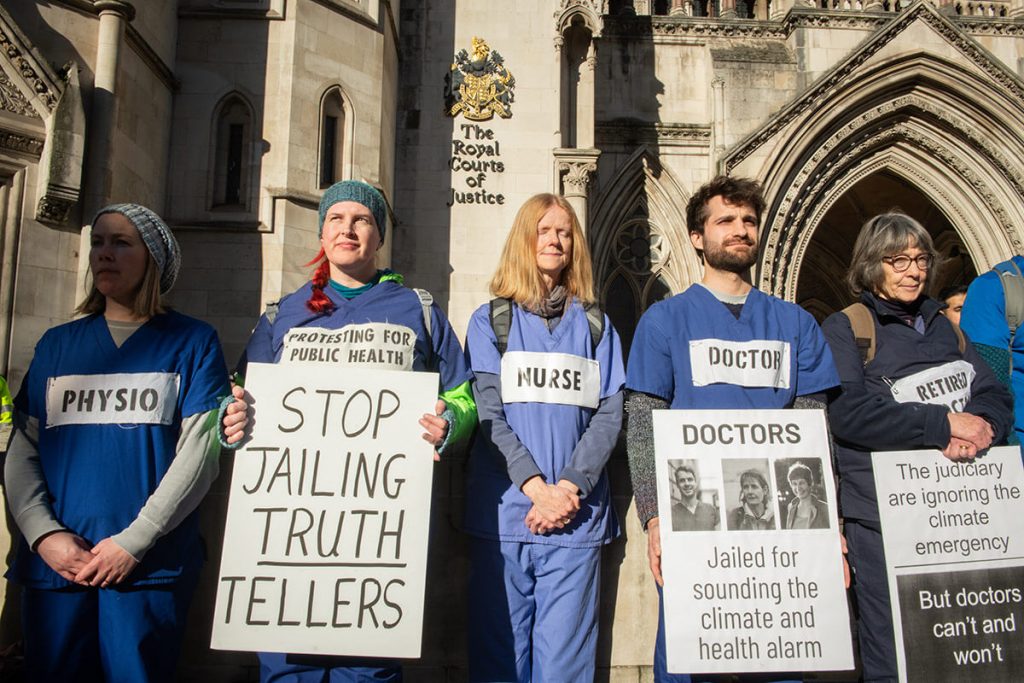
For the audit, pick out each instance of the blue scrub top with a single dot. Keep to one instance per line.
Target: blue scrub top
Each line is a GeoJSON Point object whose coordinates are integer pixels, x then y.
{"type": "Point", "coordinates": [659, 359]}
{"type": "Point", "coordinates": [495, 508]}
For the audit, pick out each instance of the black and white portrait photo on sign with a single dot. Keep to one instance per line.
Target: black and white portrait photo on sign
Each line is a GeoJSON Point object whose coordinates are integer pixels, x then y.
{"type": "Point", "coordinates": [748, 495]}
{"type": "Point", "coordinates": [802, 503]}
{"type": "Point", "coordinates": [695, 505]}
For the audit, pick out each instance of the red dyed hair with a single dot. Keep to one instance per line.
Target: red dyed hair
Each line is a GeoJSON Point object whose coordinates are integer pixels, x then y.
{"type": "Point", "coordinates": [319, 303]}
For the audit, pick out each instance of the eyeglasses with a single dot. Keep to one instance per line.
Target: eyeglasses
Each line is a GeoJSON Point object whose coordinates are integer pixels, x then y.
{"type": "Point", "coordinates": [901, 262]}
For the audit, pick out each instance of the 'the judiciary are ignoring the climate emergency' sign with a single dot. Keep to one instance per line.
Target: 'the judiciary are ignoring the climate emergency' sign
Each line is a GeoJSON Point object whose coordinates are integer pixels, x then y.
{"type": "Point", "coordinates": [325, 545]}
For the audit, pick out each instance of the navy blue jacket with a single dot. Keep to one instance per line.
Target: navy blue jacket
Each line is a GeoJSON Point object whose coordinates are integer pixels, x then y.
{"type": "Point", "coordinates": [867, 418]}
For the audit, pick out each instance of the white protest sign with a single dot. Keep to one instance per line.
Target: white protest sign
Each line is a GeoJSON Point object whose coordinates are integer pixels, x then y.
{"type": "Point", "coordinates": [761, 590]}
{"type": "Point", "coordinates": [325, 544]}
{"type": "Point", "coordinates": [954, 553]}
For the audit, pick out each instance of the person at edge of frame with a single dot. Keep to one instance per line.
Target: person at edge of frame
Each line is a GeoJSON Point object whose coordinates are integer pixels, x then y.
{"type": "Point", "coordinates": [723, 218]}
{"type": "Point", "coordinates": [992, 313]}
{"type": "Point", "coordinates": [893, 262]}
{"type": "Point", "coordinates": [538, 505]}
{"type": "Point", "coordinates": [348, 291]}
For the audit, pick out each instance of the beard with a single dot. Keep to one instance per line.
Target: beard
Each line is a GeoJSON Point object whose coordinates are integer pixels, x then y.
{"type": "Point", "coordinates": [719, 257]}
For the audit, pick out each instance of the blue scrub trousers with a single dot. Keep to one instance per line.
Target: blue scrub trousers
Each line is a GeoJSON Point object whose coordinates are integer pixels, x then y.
{"type": "Point", "coordinates": [97, 635]}
{"type": "Point", "coordinates": [532, 612]}
{"type": "Point", "coordinates": [284, 668]}
{"type": "Point", "coordinates": [866, 556]}
{"type": "Point", "coordinates": [661, 674]}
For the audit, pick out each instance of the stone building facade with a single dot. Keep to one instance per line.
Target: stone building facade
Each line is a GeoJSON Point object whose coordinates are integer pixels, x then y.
{"type": "Point", "coordinates": [228, 117]}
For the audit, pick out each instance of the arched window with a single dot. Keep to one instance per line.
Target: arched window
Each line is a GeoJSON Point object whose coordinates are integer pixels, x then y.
{"type": "Point", "coordinates": [335, 138]}
{"type": "Point", "coordinates": [637, 280]}
{"type": "Point", "coordinates": [233, 154]}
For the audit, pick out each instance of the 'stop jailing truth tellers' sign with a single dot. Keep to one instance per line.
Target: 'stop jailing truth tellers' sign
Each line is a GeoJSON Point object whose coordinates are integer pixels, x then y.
{"type": "Point", "coordinates": [326, 537]}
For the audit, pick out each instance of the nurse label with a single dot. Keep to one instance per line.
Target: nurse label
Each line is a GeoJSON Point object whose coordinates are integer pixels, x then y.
{"type": "Point", "coordinates": [128, 398]}
{"type": "Point", "coordinates": [382, 346]}
{"type": "Point", "coordinates": [529, 377]}
{"type": "Point", "coordinates": [761, 363]}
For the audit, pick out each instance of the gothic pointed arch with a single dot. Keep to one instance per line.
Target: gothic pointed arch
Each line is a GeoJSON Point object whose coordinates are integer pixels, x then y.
{"type": "Point", "coordinates": [587, 12]}
{"type": "Point", "coordinates": [920, 101]}
{"type": "Point", "coordinates": [641, 251]}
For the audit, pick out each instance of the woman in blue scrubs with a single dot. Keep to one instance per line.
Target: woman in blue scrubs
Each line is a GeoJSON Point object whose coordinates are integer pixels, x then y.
{"type": "Point", "coordinates": [548, 386]}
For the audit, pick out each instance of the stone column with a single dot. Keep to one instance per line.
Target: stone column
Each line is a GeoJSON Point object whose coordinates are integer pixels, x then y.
{"type": "Point", "coordinates": [679, 7]}
{"type": "Point", "coordinates": [114, 15]}
{"type": "Point", "coordinates": [1017, 9]}
{"type": "Point", "coordinates": [585, 100]}
{"type": "Point", "coordinates": [780, 8]}
{"type": "Point", "coordinates": [574, 168]}
{"type": "Point", "coordinates": [717, 119]}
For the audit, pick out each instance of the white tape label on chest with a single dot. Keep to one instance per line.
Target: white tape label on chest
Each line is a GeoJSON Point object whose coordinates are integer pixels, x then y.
{"type": "Point", "coordinates": [126, 398]}
{"type": "Point", "coordinates": [759, 363]}
{"type": "Point", "coordinates": [382, 346]}
{"type": "Point", "coordinates": [529, 377]}
{"type": "Point", "coordinates": [947, 385]}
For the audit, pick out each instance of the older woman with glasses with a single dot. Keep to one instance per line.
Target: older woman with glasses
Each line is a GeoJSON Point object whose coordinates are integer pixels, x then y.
{"type": "Point", "coordinates": [888, 345]}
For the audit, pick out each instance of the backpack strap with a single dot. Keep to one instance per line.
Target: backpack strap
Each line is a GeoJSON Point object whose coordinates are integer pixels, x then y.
{"type": "Point", "coordinates": [1012, 281]}
{"type": "Point", "coordinates": [863, 325]}
{"type": "Point", "coordinates": [961, 341]}
{"type": "Point", "coordinates": [595, 318]}
{"type": "Point", "coordinates": [501, 321]}
{"type": "Point", "coordinates": [271, 311]}
{"type": "Point", "coordinates": [426, 303]}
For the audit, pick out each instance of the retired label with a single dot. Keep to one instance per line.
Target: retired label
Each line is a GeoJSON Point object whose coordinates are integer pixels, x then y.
{"type": "Point", "coordinates": [759, 363]}
{"type": "Point", "coordinates": [529, 377]}
{"type": "Point", "coordinates": [947, 385]}
{"type": "Point", "coordinates": [126, 398]}
{"type": "Point", "coordinates": [382, 346]}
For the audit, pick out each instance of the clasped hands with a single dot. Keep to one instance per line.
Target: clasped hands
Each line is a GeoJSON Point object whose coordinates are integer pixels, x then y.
{"type": "Point", "coordinates": [969, 434]}
{"type": "Point", "coordinates": [554, 505]}
{"type": "Point", "coordinates": [104, 564]}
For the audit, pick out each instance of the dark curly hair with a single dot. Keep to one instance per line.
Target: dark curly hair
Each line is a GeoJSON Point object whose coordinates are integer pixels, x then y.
{"type": "Point", "coordinates": [732, 190]}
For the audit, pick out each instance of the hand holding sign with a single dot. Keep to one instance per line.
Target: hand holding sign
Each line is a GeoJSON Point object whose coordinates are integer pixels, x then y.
{"type": "Point", "coordinates": [436, 427]}
{"type": "Point", "coordinates": [236, 417]}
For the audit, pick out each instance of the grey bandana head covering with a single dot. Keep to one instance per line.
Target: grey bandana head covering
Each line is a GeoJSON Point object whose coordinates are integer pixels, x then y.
{"type": "Point", "coordinates": [354, 191]}
{"type": "Point", "coordinates": [157, 237]}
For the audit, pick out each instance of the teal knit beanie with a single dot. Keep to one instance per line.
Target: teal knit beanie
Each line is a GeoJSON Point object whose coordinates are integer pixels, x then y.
{"type": "Point", "coordinates": [354, 191]}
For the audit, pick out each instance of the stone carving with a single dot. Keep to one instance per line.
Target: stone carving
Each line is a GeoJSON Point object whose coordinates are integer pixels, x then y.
{"type": "Point", "coordinates": [12, 100]}
{"type": "Point", "coordinates": [478, 85]}
{"type": "Point", "coordinates": [639, 247]}
{"type": "Point", "coordinates": [838, 78]}
{"type": "Point", "coordinates": [805, 192]}
{"type": "Point", "coordinates": [21, 143]}
{"type": "Point", "coordinates": [576, 175]}
{"type": "Point", "coordinates": [636, 132]}
{"type": "Point", "coordinates": [27, 70]}
{"type": "Point", "coordinates": [53, 209]}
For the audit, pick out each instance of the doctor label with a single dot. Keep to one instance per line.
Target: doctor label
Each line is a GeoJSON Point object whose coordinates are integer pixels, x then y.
{"type": "Point", "coordinates": [382, 346]}
{"type": "Point", "coordinates": [126, 398]}
{"type": "Point", "coordinates": [529, 377]}
{"type": "Point", "coordinates": [762, 363]}
{"type": "Point", "coordinates": [946, 385]}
